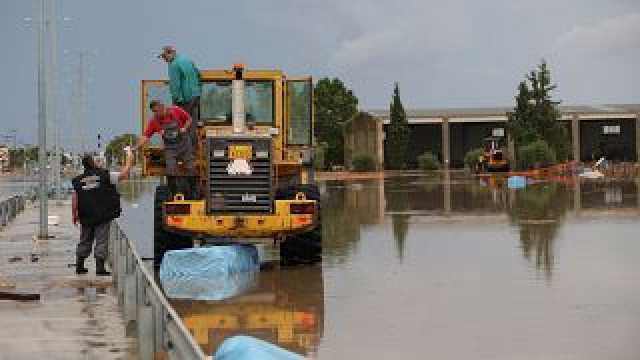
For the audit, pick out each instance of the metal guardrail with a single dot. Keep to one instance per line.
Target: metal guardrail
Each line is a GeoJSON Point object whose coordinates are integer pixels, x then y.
{"type": "Point", "coordinates": [159, 328]}
{"type": "Point", "coordinates": [11, 207]}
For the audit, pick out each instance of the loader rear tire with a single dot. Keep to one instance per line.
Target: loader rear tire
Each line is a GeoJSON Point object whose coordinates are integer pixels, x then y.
{"type": "Point", "coordinates": [163, 240]}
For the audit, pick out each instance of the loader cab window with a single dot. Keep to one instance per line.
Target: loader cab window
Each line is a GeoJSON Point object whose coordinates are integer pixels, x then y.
{"type": "Point", "coordinates": [215, 102]}
{"type": "Point", "coordinates": [258, 98]}
{"type": "Point", "coordinates": [299, 102]}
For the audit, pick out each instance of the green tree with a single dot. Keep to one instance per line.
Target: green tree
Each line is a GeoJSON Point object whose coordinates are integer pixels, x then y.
{"type": "Point", "coordinates": [16, 158]}
{"type": "Point", "coordinates": [397, 133]}
{"type": "Point", "coordinates": [334, 105]}
{"type": "Point", "coordinates": [535, 116]}
{"type": "Point", "coordinates": [114, 151]}
{"type": "Point", "coordinates": [32, 153]}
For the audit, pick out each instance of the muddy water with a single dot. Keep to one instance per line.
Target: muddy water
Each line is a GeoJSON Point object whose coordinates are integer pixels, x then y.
{"type": "Point", "coordinates": [10, 186]}
{"type": "Point", "coordinates": [447, 267]}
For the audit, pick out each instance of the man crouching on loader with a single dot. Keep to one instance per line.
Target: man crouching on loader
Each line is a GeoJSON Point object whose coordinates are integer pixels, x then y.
{"type": "Point", "coordinates": [172, 123]}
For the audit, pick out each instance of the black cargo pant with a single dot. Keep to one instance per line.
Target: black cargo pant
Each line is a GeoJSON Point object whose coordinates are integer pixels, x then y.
{"type": "Point", "coordinates": [193, 108]}
{"type": "Point", "coordinates": [99, 233]}
{"type": "Point", "coordinates": [183, 151]}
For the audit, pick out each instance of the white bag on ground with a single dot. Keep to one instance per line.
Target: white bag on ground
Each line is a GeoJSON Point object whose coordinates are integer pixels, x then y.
{"type": "Point", "coordinates": [209, 273]}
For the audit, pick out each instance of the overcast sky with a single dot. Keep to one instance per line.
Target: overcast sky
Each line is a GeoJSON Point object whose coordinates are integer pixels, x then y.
{"type": "Point", "coordinates": [456, 53]}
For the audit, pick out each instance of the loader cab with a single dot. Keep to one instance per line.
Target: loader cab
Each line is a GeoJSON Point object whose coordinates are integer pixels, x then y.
{"type": "Point", "coordinates": [274, 106]}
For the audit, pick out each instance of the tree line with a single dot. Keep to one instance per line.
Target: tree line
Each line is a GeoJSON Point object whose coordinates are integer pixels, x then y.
{"type": "Point", "coordinates": [539, 138]}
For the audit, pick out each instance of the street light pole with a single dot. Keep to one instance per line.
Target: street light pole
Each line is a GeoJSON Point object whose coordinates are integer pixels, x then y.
{"type": "Point", "coordinates": [43, 232]}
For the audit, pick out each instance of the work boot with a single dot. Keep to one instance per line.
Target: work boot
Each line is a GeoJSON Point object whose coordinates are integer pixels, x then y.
{"type": "Point", "coordinates": [80, 269]}
{"type": "Point", "coordinates": [100, 269]}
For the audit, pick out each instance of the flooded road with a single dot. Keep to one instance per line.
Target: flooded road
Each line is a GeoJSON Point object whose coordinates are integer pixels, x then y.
{"type": "Point", "coordinates": [446, 267]}
{"type": "Point", "coordinates": [10, 186]}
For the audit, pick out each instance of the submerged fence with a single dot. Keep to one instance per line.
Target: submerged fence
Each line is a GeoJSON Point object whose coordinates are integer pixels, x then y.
{"type": "Point", "coordinates": [9, 208]}
{"type": "Point", "coordinates": [158, 328]}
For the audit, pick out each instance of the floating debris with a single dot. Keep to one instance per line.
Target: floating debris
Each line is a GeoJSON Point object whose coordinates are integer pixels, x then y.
{"type": "Point", "coordinates": [516, 182]}
{"type": "Point", "coordinates": [6, 284]}
{"type": "Point", "coordinates": [19, 296]}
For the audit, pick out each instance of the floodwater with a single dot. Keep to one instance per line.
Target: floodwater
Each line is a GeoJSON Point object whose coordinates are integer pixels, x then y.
{"type": "Point", "coordinates": [445, 266]}
{"type": "Point", "coordinates": [10, 185]}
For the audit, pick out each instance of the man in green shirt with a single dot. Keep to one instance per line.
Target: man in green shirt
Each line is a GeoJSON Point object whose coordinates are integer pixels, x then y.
{"type": "Point", "coordinates": [184, 85]}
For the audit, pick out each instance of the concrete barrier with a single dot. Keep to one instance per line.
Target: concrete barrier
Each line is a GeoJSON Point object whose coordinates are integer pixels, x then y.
{"type": "Point", "coordinates": [157, 326]}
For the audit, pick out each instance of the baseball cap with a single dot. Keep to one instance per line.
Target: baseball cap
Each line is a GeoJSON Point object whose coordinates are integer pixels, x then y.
{"type": "Point", "coordinates": [165, 50]}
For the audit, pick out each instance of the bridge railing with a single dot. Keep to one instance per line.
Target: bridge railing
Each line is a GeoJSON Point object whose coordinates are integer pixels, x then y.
{"type": "Point", "coordinates": [9, 208]}
{"type": "Point", "coordinates": [158, 327]}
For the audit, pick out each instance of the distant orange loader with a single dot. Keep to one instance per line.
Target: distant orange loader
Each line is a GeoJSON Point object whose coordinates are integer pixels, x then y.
{"type": "Point", "coordinates": [493, 158]}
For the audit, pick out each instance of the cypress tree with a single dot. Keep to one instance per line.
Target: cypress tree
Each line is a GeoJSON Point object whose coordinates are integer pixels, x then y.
{"type": "Point", "coordinates": [397, 133]}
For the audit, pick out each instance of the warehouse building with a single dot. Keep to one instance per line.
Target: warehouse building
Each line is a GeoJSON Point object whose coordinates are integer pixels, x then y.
{"type": "Point", "coordinates": [612, 131]}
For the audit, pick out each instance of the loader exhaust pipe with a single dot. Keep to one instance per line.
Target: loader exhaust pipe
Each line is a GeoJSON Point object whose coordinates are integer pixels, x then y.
{"type": "Point", "coordinates": [239, 120]}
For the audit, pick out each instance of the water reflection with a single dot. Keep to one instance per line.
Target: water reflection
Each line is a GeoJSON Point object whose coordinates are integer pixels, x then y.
{"type": "Point", "coordinates": [538, 211]}
{"type": "Point", "coordinates": [618, 194]}
{"type": "Point", "coordinates": [398, 204]}
{"type": "Point", "coordinates": [286, 307]}
{"type": "Point", "coordinates": [137, 213]}
{"type": "Point", "coordinates": [346, 208]}
{"type": "Point", "coordinates": [132, 191]}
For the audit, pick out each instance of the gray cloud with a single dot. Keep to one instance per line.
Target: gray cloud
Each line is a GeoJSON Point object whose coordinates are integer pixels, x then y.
{"type": "Point", "coordinates": [617, 35]}
{"type": "Point", "coordinates": [598, 62]}
{"type": "Point", "coordinates": [444, 54]}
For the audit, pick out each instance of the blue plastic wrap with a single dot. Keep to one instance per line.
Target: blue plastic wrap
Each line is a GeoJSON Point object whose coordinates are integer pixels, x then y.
{"type": "Point", "coordinates": [210, 273]}
{"type": "Point", "coordinates": [516, 182]}
{"type": "Point", "coordinates": [250, 348]}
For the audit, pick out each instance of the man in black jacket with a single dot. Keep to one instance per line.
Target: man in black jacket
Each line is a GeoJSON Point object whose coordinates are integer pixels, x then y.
{"type": "Point", "coordinates": [95, 203]}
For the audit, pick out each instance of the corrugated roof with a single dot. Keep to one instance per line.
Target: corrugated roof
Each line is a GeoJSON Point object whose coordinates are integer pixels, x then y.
{"type": "Point", "coordinates": [501, 111]}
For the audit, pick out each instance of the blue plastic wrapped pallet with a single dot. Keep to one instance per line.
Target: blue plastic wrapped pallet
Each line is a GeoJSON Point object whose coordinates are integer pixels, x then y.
{"type": "Point", "coordinates": [516, 182]}
{"type": "Point", "coordinates": [250, 348]}
{"type": "Point", "coordinates": [209, 273]}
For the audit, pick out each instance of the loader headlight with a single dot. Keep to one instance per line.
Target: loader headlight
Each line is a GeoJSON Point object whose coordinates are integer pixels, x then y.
{"type": "Point", "coordinates": [218, 153]}
{"type": "Point", "coordinates": [262, 154]}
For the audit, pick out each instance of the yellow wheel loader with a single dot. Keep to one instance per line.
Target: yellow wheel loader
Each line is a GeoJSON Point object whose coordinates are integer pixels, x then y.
{"type": "Point", "coordinates": [253, 161]}
{"type": "Point", "coordinates": [493, 158]}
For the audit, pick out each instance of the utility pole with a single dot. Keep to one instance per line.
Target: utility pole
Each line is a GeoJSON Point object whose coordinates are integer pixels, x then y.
{"type": "Point", "coordinates": [78, 95]}
{"type": "Point", "coordinates": [43, 232]}
{"type": "Point", "coordinates": [52, 91]}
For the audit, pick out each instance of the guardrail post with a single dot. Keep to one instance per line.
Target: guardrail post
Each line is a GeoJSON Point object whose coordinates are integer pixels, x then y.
{"type": "Point", "coordinates": [112, 245]}
{"type": "Point", "coordinates": [3, 212]}
{"type": "Point", "coordinates": [130, 297]}
{"type": "Point", "coordinates": [114, 249]}
{"type": "Point", "coordinates": [179, 348]}
{"type": "Point", "coordinates": [10, 210]}
{"type": "Point", "coordinates": [159, 320]}
{"type": "Point", "coordinates": [122, 265]}
{"type": "Point", "coordinates": [144, 321]}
